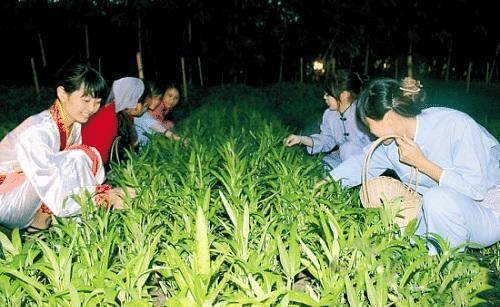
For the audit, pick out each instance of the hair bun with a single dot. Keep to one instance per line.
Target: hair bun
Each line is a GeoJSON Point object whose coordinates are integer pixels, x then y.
{"type": "Point", "coordinates": [410, 87]}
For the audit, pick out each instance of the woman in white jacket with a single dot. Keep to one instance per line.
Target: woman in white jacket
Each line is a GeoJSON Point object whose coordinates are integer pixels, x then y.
{"type": "Point", "coordinates": [42, 161]}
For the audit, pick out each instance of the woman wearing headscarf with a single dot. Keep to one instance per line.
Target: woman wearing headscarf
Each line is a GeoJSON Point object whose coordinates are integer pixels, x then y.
{"type": "Point", "coordinates": [102, 128]}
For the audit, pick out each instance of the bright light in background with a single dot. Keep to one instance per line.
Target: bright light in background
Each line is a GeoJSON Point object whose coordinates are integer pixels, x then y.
{"type": "Point", "coordinates": [319, 66]}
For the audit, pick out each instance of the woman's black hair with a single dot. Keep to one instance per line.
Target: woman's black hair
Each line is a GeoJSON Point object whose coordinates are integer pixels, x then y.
{"type": "Point", "coordinates": [168, 86]}
{"type": "Point", "coordinates": [153, 88]}
{"type": "Point", "coordinates": [344, 80]}
{"type": "Point", "coordinates": [385, 94]}
{"type": "Point", "coordinates": [127, 133]}
{"type": "Point", "coordinates": [73, 77]}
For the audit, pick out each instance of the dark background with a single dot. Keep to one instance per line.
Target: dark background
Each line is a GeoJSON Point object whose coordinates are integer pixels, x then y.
{"type": "Point", "coordinates": [247, 41]}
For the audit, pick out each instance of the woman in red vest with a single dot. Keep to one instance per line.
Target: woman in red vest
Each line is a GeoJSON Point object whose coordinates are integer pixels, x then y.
{"type": "Point", "coordinates": [126, 97]}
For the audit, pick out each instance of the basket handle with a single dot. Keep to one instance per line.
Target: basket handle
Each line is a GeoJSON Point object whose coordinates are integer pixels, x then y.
{"type": "Point", "coordinates": [114, 149]}
{"type": "Point", "coordinates": [366, 166]}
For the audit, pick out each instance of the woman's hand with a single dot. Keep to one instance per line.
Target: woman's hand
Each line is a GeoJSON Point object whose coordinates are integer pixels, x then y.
{"type": "Point", "coordinates": [410, 153]}
{"type": "Point", "coordinates": [175, 137]}
{"type": "Point", "coordinates": [168, 124]}
{"type": "Point", "coordinates": [292, 140]}
{"type": "Point", "coordinates": [170, 135]}
{"type": "Point", "coordinates": [116, 197]}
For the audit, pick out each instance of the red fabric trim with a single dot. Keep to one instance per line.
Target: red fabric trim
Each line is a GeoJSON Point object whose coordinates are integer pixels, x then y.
{"type": "Point", "coordinates": [56, 113]}
{"type": "Point", "coordinates": [45, 209]}
{"type": "Point", "coordinates": [90, 153]}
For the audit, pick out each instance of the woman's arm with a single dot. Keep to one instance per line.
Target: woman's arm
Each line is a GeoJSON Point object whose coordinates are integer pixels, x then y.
{"type": "Point", "coordinates": [294, 139]}
{"type": "Point", "coordinates": [469, 158]}
{"type": "Point", "coordinates": [324, 141]}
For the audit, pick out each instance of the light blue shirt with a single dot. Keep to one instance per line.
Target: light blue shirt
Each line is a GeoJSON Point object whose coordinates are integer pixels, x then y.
{"type": "Point", "coordinates": [143, 127]}
{"type": "Point", "coordinates": [341, 130]}
{"type": "Point", "coordinates": [468, 154]}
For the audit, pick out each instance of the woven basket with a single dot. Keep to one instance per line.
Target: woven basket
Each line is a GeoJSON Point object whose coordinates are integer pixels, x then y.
{"type": "Point", "coordinates": [385, 189]}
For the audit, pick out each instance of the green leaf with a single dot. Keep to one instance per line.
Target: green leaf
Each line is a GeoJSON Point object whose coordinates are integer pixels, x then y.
{"type": "Point", "coordinates": [202, 245]}
{"type": "Point", "coordinates": [352, 298]}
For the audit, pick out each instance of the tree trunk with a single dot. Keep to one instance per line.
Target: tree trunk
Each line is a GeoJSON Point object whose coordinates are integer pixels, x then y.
{"type": "Point", "coordinates": [140, 68]}
{"type": "Point", "coordinates": [469, 71]}
{"type": "Point", "coordinates": [42, 49]}
{"type": "Point", "coordinates": [184, 81]}
{"type": "Point", "coordinates": [487, 73]}
{"type": "Point", "coordinates": [492, 70]}
{"type": "Point", "coordinates": [334, 66]}
{"type": "Point", "coordinates": [139, 35]}
{"type": "Point", "coordinates": [35, 77]}
{"type": "Point", "coordinates": [200, 71]}
{"type": "Point", "coordinates": [409, 63]}
{"type": "Point", "coordinates": [190, 73]}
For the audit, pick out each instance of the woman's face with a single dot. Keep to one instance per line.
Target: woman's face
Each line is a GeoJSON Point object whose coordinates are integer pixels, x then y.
{"type": "Point", "coordinates": [332, 103]}
{"type": "Point", "coordinates": [170, 98]}
{"type": "Point", "coordinates": [77, 107]}
{"type": "Point", "coordinates": [382, 127]}
{"type": "Point", "coordinates": [153, 102]}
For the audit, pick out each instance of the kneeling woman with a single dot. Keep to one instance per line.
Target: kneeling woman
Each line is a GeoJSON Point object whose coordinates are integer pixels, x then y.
{"type": "Point", "coordinates": [339, 127]}
{"type": "Point", "coordinates": [149, 123]}
{"type": "Point", "coordinates": [42, 161]}
{"type": "Point", "coordinates": [458, 161]}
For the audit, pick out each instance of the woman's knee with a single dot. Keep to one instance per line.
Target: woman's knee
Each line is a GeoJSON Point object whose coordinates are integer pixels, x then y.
{"type": "Point", "coordinates": [73, 162]}
{"type": "Point", "coordinates": [442, 201]}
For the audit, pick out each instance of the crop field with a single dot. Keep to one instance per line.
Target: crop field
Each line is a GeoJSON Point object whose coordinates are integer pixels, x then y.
{"type": "Point", "coordinates": [231, 219]}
